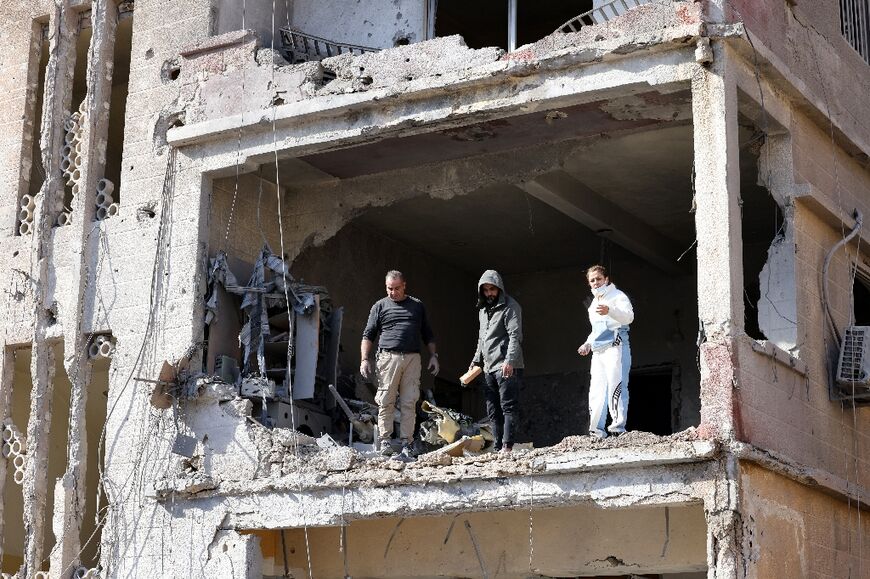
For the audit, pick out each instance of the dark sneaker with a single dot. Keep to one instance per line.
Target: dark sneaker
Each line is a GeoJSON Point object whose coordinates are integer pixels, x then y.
{"type": "Point", "coordinates": [387, 448]}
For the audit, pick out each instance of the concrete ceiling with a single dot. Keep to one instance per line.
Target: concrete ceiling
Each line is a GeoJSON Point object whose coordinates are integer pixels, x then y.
{"type": "Point", "coordinates": [499, 227]}
{"type": "Point", "coordinates": [640, 165]}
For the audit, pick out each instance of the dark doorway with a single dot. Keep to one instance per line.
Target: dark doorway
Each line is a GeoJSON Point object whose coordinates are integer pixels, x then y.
{"type": "Point", "coordinates": [861, 300]}
{"type": "Point", "coordinates": [649, 405]}
{"type": "Point", "coordinates": [481, 23]}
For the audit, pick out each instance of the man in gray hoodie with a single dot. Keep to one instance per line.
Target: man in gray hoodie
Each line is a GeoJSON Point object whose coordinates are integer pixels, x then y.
{"type": "Point", "coordinates": [500, 354]}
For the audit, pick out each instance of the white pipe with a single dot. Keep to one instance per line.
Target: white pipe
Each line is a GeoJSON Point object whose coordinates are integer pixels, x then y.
{"type": "Point", "coordinates": [18, 477]}
{"type": "Point", "coordinates": [63, 219]}
{"type": "Point", "coordinates": [7, 433]}
{"type": "Point", "coordinates": [76, 175]}
{"type": "Point", "coordinates": [101, 213]}
{"type": "Point", "coordinates": [15, 446]}
{"type": "Point", "coordinates": [6, 450]}
{"type": "Point", "coordinates": [112, 210]}
{"type": "Point", "coordinates": [81, 572]}
{"type": "Point", "coordinates": [106, 349]}
{"type": "Point", "coordinates": [28, 201]}
{"type": "Point", "coordinates": [99, 339]}
{"type": "Point", "coordinates": [24, 228]}
{"type": "Point", "coordinates": [25, 215]}
{"type": "Point", "coordinates": [100, 200]}
{"type": "Point", "coordinates": [105, 186]}
{"type": "Point", "coordinates": [18, 461]}
{"type": "Point", "coordinates": [66, 165]}
{"type": "Point", "coordinates": [93, 351]}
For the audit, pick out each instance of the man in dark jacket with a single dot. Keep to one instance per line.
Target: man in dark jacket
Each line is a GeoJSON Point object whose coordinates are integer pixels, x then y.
{"type": "Point", "coordinates": [500, 354]}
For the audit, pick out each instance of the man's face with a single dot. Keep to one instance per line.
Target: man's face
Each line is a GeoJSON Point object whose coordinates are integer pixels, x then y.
{"type": "Point", "coordinates": [597, 279]}
{"type": "Point", "coordinates": [395, 289]}
{"type": "Point", "coordinates": [490, 292]}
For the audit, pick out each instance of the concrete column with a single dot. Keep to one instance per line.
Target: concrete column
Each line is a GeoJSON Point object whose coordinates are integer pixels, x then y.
{"type": "Point", "coordinates": [70, 492]}
{"type": "Point", "coordinates": [58, 94]}
{"type": "Point", "coordinates": [718, 230]}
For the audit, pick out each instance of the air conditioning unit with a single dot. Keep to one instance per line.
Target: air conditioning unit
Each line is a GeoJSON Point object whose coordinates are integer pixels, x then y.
{"type": "Point", "coordinates": [853, 369]}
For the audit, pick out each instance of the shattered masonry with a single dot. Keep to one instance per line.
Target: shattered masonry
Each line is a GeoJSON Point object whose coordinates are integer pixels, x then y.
{"type": "Point", "coordinates": [198, 214]}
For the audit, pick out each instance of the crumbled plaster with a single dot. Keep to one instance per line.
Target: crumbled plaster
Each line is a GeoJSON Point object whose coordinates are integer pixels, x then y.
{"type": "Point", "coordinates": [404, 63]}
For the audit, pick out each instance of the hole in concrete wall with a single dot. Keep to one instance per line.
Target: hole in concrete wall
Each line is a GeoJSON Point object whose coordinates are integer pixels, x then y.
{"type": "Point", "coordinates": [56, 426]}
{"type": "Point", "coordinates": [37, 172]}
{"type": "Point", "coordinates": [118, 105]}
{"type": "Point", "coordinates": [57, 453]}
{"type": "Point", "coordinates": [90, 532]}
{"type": "Point", "coordinates": [762, 222]}
{"type": "Point", "coordinates": [170, 70]}
{"type": "Point", "coordinates": [13, 502]}
{"type": "Point", "coordinates": [443, 245]}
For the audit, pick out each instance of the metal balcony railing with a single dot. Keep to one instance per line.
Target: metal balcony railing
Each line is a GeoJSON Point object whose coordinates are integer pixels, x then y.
{"type": "Point", "coordinates": [602, 14]}
{"type": "Point", "coordinates": [855, 25]}
{"type": "Point", "coordinates": [300, 47]}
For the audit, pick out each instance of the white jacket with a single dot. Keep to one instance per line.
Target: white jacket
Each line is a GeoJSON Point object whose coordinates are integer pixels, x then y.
{"type": "Point", "coordinates": [606, 328]}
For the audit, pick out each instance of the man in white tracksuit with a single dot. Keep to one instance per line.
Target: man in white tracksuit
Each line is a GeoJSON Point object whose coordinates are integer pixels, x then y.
{"type": "Point", "coordinates": [610, 313]}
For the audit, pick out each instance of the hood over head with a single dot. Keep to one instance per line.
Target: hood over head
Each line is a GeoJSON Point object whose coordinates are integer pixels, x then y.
{"type": "Point", "coordinates": [490, 276]}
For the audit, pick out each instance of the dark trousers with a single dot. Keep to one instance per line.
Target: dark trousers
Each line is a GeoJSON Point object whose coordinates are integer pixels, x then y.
{"type": "Point", "coordinates": [503, 405]}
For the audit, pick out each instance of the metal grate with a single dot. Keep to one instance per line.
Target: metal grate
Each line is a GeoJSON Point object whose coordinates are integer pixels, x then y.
{"type": "Point", "coordinates": [855, 25]}
{"type": "Point", "coordinates": [853, 378]}
{"type": "Point", "coordinates": [300, 47]}
{"type": "Point", "coordinates": [601, 14]}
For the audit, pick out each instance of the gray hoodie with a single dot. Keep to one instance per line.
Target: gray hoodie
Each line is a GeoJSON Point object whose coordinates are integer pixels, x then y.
{"type": "Point", "coordinates": [500, 336]}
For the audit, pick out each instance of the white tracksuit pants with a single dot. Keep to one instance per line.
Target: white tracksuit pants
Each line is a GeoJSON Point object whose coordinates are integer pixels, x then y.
{"type": "Point", "coordinates": [608, 388]}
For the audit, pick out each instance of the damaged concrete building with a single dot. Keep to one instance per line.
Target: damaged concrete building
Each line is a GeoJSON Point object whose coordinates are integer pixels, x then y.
{"type": "Point", "coordinates": [200, 200]}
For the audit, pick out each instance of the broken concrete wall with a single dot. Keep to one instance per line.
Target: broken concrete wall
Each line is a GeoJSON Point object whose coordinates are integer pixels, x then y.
{"type": "Point", "coordinates": [791, 530]}
{"type": "Point", "coordinates": [374, 24]}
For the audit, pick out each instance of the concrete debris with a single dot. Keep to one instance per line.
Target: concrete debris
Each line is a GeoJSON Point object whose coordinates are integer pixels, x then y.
{"type": "Point", "coordinates": [642, 27]}
{"type": "Point", "coordinates": [445, 426]}
{"type": "Point", "coordinates": [401, 64]}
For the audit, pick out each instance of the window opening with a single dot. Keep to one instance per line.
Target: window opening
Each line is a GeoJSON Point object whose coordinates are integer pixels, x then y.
{"type": "Point", "coordinates": [855, 25]}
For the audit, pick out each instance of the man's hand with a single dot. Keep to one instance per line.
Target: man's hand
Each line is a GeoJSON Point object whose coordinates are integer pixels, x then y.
{"type": "Point", "coordinates": [507, 370]}
{"type": "Point", "coordinates": [585, 348]}
{"type": "Point", "coordinates": [602, 309]}
{"type": "Point", "coordinates": [434, 366]}
{"type": "Point", "coordinates": [365, 368]}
